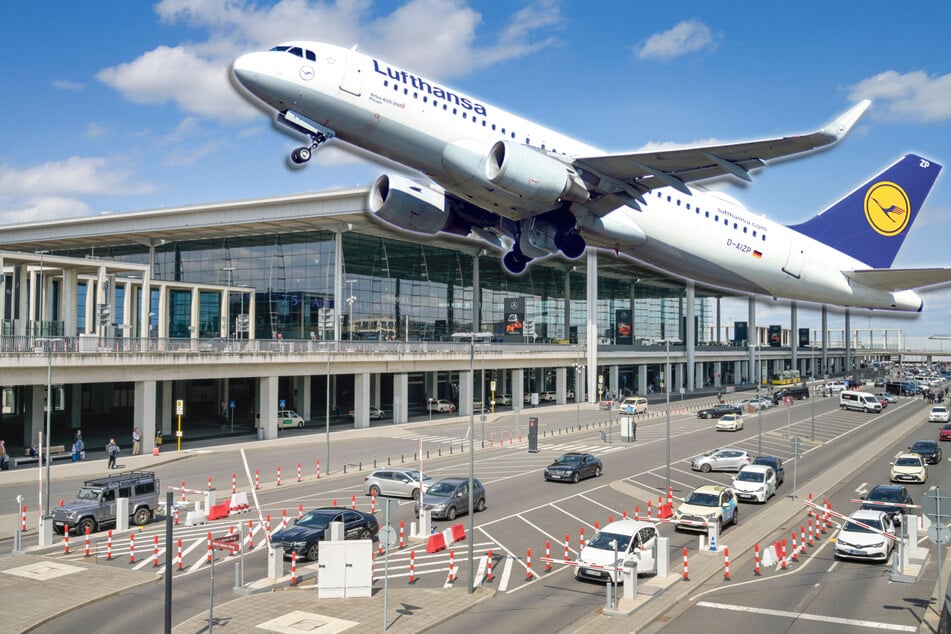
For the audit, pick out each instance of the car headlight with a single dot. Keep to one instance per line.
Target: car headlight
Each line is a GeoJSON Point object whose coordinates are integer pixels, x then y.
{"type": "Point", "coordinates": [298, 545]}
{"type": "Point", "coordinates": [877, 545]}
{"type": "Point", "coordinates": [440, 507]}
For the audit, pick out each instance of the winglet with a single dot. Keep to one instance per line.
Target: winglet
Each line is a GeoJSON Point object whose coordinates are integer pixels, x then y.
{"type": "Point", "coordinates": [841, 126]}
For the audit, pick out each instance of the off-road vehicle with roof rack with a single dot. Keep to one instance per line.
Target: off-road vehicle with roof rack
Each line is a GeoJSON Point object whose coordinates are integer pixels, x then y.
{"type": "Point", "coordinates": [95, 504]}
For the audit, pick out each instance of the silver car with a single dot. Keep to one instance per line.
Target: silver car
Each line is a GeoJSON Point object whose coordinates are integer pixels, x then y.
{"type": "Point", "coordinates": [397, 482]}
{"type": "Point", "coordinates": [722, 459]}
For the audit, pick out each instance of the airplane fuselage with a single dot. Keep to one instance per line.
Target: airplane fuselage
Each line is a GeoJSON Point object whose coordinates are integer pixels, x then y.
{"type": "Point", "coordinates": [448, 135]}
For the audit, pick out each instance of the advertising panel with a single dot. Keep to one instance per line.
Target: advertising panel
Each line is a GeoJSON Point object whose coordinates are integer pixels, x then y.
{"type": "Point", "coordinates": [623, 328]}
{"type": "Point", "coordinates": [514, 318]}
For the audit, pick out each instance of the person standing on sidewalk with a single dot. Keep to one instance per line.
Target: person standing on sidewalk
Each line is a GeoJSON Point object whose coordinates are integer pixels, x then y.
{"type": "Point", "coordinates": [136, 442]}
{"type": "Point", "coordinates": [4, 457]}
{"type": "Point", "coordinates": [78, 447]}
{"type": "Point", "coordinates": [112, 450]}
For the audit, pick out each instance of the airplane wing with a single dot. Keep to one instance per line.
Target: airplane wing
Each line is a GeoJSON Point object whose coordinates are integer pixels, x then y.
{"type": "Point", "coordinates": [894, 280]}
{"type": "Point", "coordinates": [631, 175]}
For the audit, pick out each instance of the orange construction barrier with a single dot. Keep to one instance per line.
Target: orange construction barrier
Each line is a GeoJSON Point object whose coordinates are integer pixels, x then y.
{"type": "Point", "coordinates": [436, 543]}
{"type": "Point", "coordinates": [458, 532]}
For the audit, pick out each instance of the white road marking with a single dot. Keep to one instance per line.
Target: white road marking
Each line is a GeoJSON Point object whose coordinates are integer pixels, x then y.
{"type": "Point", "coordinates": [506, 572]}
{"type": "Point", "coordinates": [862, 489]}
{"type": "Point", "coordinates": [809, 617]}
{"type": "Point", "coordinates": [480, 571]}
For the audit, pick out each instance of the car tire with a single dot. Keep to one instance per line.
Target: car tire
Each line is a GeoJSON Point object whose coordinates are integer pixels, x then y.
{"type": "Point", "coordinates": [83, 523]}
{"type": "Point", "coordinates": [597, 472]}
{"type": "Point", "coordinates": [416, 494]}
{"type": "Point", "coordinates": [708, 416]}
{"type": "Point", "coordinates": [375, 491]}
{"type": "Point", "coordinates": [451, 513]}
{"type": "Point", "coordinates": [705, 468]}
{"type": "Point", "coordinates": [312, 551]}
{"type": "Point", "coordinates": [142, 516]}
{"type": "Point", "coordinates": [366, 534]}
{"type": "Point", "coordinates": [575, 477]}
{"type": "Point", "coordinates": [736, 516]}
{"type": "Point", "coordinates": [480, 506]}
{"type": "Point", "coordinates": [300, 425]}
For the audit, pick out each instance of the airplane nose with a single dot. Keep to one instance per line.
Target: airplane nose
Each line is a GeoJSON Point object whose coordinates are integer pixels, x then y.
{"type": "Point", "coordinates": [248, 70]}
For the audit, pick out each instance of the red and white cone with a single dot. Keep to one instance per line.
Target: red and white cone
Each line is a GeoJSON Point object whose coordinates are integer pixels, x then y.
{"type": "Point", "coordinates": [109, 547]}
{"type": "Point", "coordinates": [686, 572]}
{"type": "Point", "coordinates": [179, 556]}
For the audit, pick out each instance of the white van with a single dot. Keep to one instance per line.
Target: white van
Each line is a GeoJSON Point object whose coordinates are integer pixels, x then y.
{"type": "Point", "coordinates": [634, 405]}
{"type": "Point", "coordinates": [862, 401]}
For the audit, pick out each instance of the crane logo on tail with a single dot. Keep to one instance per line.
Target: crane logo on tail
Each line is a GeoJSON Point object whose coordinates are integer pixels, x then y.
{"type": "Point", "coordinates": [887, 208]}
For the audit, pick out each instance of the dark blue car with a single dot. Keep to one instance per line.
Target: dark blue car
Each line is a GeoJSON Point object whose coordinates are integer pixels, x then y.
{"type": "Point", "coordinates": [304, 535]}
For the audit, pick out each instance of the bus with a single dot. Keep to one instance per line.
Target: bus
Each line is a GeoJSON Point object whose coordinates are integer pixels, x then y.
{"type": "Point", "coordinates": [786, 377]}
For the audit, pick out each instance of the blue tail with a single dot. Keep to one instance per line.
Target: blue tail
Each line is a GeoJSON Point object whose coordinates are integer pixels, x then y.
{"type": "Point", "coordinates": [871, 223]}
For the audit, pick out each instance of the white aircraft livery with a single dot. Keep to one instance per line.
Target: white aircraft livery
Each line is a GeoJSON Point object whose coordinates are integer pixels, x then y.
{"type": "Point", "coordinates": [531, 192]}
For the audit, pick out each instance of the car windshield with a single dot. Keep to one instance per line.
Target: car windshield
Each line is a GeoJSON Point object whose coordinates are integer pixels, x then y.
{"type": "Point", "coordinates": [703, 499]}
{"type": "Point", "coordinates": [751, 476]}
{"type": "Point", "coordinates": [320, 521]}
{"type": "Point", "coordinates": [414, 474]}
{"type": "Point", "coordinates": [920, 447]}
{"type": "Point", "coordinates": [939, 410]}
{"type": "Point", "coordinates": [852, 527]}
{"type": "Point", "coordinates": [603, 541]}
{"type": "Point", "coordinates": [442, 489]}
{"type": "Point", "coordinates": [87, 493]}
{"type": "Point", "coordinates": [569, 458]}
{"type": "Point", "coordinates": [884, 495]}
{"type": "Point", "coordinates": [908, 461]}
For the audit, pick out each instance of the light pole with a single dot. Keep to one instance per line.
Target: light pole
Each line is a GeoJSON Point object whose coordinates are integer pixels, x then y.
{"type": "Point", "coordinates": [471, 336]}
{"type": "Point", "coordinates": [579, 376]}
{"type": "Point", "coordinates": [351, 300]}
{"type": "Point", "coordinates": [754, 374]}
{"type": "Point", "coordinates": [667, 343]}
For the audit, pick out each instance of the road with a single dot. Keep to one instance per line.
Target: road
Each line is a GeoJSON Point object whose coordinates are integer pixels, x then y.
{"type": "Point", "coordinates": [523, 511]}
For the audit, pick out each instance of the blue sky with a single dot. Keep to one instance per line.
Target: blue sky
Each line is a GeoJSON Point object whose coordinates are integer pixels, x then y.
{"type": "Point", "coordinates": [120, 106]}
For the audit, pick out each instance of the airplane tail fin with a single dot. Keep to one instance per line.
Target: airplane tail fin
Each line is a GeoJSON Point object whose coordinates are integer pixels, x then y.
{"type": "Point", "coordinates": [871, 223]}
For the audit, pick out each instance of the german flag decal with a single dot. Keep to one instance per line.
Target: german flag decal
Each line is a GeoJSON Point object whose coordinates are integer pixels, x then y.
{"type": "Point", "coordinates": [757, 254]}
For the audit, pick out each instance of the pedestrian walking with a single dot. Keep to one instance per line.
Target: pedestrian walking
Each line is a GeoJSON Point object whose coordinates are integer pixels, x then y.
{"type": "Point", "coordinates": [79, 447]}
{"type": "Point", "coordinates": [112, 450]}
{"type": "Point", "coordinates": [136, 441]}
{"type": "Point", "coordinates": [4, 457]}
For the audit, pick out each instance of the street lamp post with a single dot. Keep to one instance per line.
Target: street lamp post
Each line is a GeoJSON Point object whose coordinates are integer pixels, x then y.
{"type": "Point", "coordinates": [579, 376]}
{"type": "Point", "coordinates": [471, 336]}
{"type": "Point", "coordinates": [667, 343]}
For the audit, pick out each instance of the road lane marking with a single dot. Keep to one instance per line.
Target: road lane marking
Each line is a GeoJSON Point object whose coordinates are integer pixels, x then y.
{"type": "Point", "coordinates": [809, 617]}
{"type": "Point", "coordinates": [506, 572]}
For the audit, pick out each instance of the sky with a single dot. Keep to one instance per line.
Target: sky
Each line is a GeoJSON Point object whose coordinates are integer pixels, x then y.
{"type": "Point", "coordinates": [123, 106]}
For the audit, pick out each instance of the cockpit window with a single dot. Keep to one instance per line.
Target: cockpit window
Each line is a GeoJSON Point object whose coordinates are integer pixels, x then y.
{"type": "Point", "coordinates": [310, 55]}
{"type": "Point", "coordinates": [278, 49]}
{"type": "Point", "coordinates": [296, 50]}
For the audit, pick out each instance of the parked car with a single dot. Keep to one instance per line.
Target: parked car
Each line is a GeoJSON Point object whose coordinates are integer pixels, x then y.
{"type": "Point", "coordinates": [304, 535]}
{"type": "Point", "coordinates": [631, 540]}
{"type": "Point", "coordinates": [95, 504]}
{"type": "Point", "coordinates": [572, 467]}
{"type": "Point", "coordinates": [730, 422]}
{"type": "Point", "coordinates": [861, 536]}
{"type": "Point", "coordinates": [718, 411]}
{"type": "Point", "coordinates": [398, 481]}
{"type": "Point", "coordinates": [449, 497]}
{"type": "Point", "coordinates": [887, 397]}
{"type": "Point", "coordinates": [945, 432]}
{"type": "Point", "coordinates": [888, 498]}
{"type": "Point", "coordinates": [441, 405]}
{"type": "Point", "coordinates": [722, 459]}
{"type": "Point", "coordinates": [799, 392]}
{"type": "Point", "coordinates": [776, 464]}
{"type": "Point", "coordinates": [833, 387]}
{"type": "Point", "coordinates": [751, 405]}
{"type": "Point", "coordinates": [570, 395]}
{"type": "Point", "coordinates": [289, 418]}
{"type": "Point", "coordinates": [375, 413]}
{"type": "Point", "coordinates": [909, 467]}
{"type": "Point", "coordinates": [755, 482]}
{"type": "Point", "coordinates": [711, 504]}
{"type": "Point", "coordinates": [927, 449]}
{"type": "Point", "coordinates": [547, 396]}
{"type": "Point", "coordinates": [938, 414]}
{"type": "Point", "coordinates": [505, 399]}
{"type": "Point", "coordinates": [477, 406]}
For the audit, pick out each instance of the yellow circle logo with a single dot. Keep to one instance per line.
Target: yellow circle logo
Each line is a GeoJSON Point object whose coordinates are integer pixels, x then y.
{"type": "Point", "coordinates": [887, 208]}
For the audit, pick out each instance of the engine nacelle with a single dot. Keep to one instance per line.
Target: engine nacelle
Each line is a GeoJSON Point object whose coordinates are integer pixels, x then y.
{"type": "Point", "coordinates": [531, 174]}
{"type": "Point", "coordinates": [409, 205]}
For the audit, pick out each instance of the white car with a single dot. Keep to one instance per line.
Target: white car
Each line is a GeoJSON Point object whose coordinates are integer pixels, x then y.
{"type": "Point", "coordinates": [751, 405]}
{"type": "Point", "coordinates": [633, 541]}
{"type": "Point", "coordinates": [711, 503]}
{"type": "Point", "coordinates": [938, 414]}
{"type": "Point", "coordinates": [730, 422]}
{"type": "Point", "coordinates": [755, 483]}
{"type": "Point", "coordinates": [505, 399]}
{"type": "Point", "coordinates": [861, 537]}
{"type": "Point", "coordinates": [441, 405]}
{"type": "Point", "coordinates": [835, 386]}
{"type": "Point", "coordinates": [909, 467]}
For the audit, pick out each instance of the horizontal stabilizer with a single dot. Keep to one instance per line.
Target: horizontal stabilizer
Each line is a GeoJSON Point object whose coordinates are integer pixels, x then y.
{"type": "Point", "coordinates": [894, 280]}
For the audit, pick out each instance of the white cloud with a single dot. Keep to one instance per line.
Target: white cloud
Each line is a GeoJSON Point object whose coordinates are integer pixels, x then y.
{"type": "Point", "coordinates": [184, 156]}
{"type": "Point", "coordinates": [914, 96]}
{"type": "Point", "coordinates": [75, 175]}
{"type": "Point", "coordinates": [95, 131]}
{"type": "Point", "coordinates": [41, 208]}
{"type": "Point", "coordinates": [65, 84]}
{"type": "Point", "coordinates": [686, 37]}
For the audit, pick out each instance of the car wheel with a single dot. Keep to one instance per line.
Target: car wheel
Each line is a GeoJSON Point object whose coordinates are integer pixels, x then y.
{"type": "Point", "coordinates": [736, 516]}
{"type": "Point", "coordinates": [597, 472]}
{"type": "Point", "coordinates": [451, 513]}
{"type": "Point", "coordinates": [375, 491]}
{"type": "Point", "coordinates": [415, 494]}
{"type": "Point", "coordinates": [575, 477]}
{"type": "Point", "coordinates": [312, 551]}
{"type": "Point", "coordinates": [480, 506]}
{"type": "Point", "coordinates": [366, 533]}
{"type": "Point", "coordinates": [708, 416]}
{"type": "Point", "coordinates": [142, 516]}
{"type": "Point", "coordinates": [719, 526]}
{"type": "Point", "coordinates": [300, 425]}
{"type": "Point", "coordinates": [83, 524]}
{"type": "Point", "coordinates": [705, 467]}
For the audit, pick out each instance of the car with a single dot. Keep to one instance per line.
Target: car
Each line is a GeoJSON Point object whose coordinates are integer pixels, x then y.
{"type": "Point", "coordinates": [505, 399]}
{"type": "Point", "coordinates": [927, 449]}
{"type": "Point", "coordinates": [449, 497]}
{"type": "Point", "coordinates": [887, 397]}
{"type": "Point", "coordinates": [95, 504]}
{"type": "Point", "coordinates": [304, 535]}
{"type": "Point", "coordinates": [397, 482]}
{"type": "Point", "coordinates": [289, 418]}
{"type": "Point", "coordinates": [730, 422]}
{"type": "Point", "coordinates": [375, 413]}
{"type": "Point", "coordinates": [477, 406]}
{"type": "Point", "coordinates": [776, 464]}
{"type": "Point", "coordinates": [767, 402]}
{"type": "Point", "coordinates": [572, 467]}
{"type": "Point", "coordinates": [945, 432]}
{"type": "Point", "coordinates": [711, 503]}
{"type": "Point", "coordinates": [750, 405]}
{"type": "Point", "coordinates": [632, 540]}
{"type": "Point", "coordinates": [547, 396]}
{"type": "Point", "coordinates": [833, 387]}
{"type": "Point", "coordinates": [888, 498]}
{"type": "Point", "coordinates": [938, 414]}
{"type": "Point", "coordinates": [909, 467]}
{"type": "Point", "coordinates": [570, 395]}
{"type": "Point", "coordinates": [718, 411]}
{"type": "Point", "coordinates": [634, 405]}
{"type": "Point", "coordinates": [755, 483]}
{"type": "Point", "coordinates": [799, 392]}
{"type": "Point", "coordinates": [722, 459]}
{"type": "Point", "coordinates": [441, 405]}
{"type": "Point", "coordinates": [861, 537]}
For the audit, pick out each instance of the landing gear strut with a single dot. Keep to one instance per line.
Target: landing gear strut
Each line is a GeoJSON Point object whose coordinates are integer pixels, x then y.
{"type": "Point", "coordinates": [302, 154]}
{"type": "Point", "coordinates": [316, 132]}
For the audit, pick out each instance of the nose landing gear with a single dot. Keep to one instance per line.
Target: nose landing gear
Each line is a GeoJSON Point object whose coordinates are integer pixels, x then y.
{"type": "Point", "coordinates": [316, 132]}
{"type": "Point", "coordinates": [302, 154]}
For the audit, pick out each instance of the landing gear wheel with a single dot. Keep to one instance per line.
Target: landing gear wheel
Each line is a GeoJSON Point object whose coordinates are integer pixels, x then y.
{"type": "Point", "coordinates": [301, 155]}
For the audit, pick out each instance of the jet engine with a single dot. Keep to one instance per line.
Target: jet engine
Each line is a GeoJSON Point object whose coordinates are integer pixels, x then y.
{"type": "Point", "coordinates": [409, 205]}
{"type": "Point", "coordinates": [531, 174]}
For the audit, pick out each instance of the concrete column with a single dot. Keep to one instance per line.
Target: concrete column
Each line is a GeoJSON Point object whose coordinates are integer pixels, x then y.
{"type": "Point", "coordinates": [691, 335]}
{"type": "Point", "coordinates": [717, 373]}
{"type": "Point", "coordinates": [166, 409]}
{"type": "Point", "coordinates": [145, 320]}
{"type": "Point", "coordinates": [642, 379]}
{"type": "Point", "coordinates": [144, 413]}
{"type": "Point", "coordinates": [75, 409]}
{"type": "Point", "coordinates": [23, 317]}
{"type": "Point", "coordinates": [753, 339]}
{"type": "Point", "coordinates": [361, 400]}
{"type": "Point", "coordinates": [591, 285]}
{"type": "Point", "coordinates": [3, 291]}
{"type": "Point", "coordinates": [163, 312]}
{"type": "Point", "coordinates": [698, 374]}
{"type": "Point", "coordinates": [67, 304]}
{"type": "Point", "coordinates": [303, 396]}
{"type": "Point", "coordinates": [561, 385]}
{"type": "Point", "coordinates": [338, 284]}
{"type": "Point", "coordinates": [102, 297]}
{"type": "Point", "coordinates": [476, 295]}
{"type": "Point", "coordinates": [567, 307]}
{"type": "Point", "coordinates": [224, 330]}
{"type": "Point", "coordinates": [825, 340]}
{"type": "Point", "coordinates": [848, 341]}
{"type": "Point", "coordinates": [614, 380]}
{"type": "Point", "coordinates": [400, 397]}
{"type": "Point", "coordinates": [794, 335]}
{"type": "Point", "coordinates": [518, 387]}
{"type": "Point", "coordinates": [267, 405]}
{"type": "Point", "coordinates": [194, 317]}
{"type": "Point", "coordinates": [465, 392]}
{"type": "Point", "coordinates": [717, 338]}
{"type": "Point", "coordinates": [375, 390]}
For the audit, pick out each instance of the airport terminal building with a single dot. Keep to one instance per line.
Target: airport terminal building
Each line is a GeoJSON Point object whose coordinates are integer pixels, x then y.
{"type": "Point", "coordinates": [242, 309]}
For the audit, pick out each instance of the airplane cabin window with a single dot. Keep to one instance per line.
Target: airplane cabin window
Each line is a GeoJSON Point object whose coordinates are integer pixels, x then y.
{"type": "Point", "coordinates": [735, 226]}
{"type": "Point", "coordinates": [744, 229]}
{"type": "Point", "coordinates": [754, 233]}
{"type": "Point", "coordinates": [296, 50]}
{"type": "Point", "coordinates": [464, 116]}
{"type": "Point", "coordinates": [513, 135]}
{"type": "Point", "coordinates": [678, 202]}
{"type": "Point", "coordinates": [493, 127]}
{"type": "Point", "coordinates": [706, 214]}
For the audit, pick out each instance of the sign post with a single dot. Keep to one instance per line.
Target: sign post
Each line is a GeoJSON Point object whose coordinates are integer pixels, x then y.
{"type": "Point", "coordinates": [179, 410]}
{"type": "Point", "coordinates": [937, 508]}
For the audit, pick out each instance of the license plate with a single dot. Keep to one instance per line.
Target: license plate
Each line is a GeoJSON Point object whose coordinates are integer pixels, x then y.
{"type": "Point", "coordinates": [593, 573]}
{"type": "Point", "coordinates": [745, 496]}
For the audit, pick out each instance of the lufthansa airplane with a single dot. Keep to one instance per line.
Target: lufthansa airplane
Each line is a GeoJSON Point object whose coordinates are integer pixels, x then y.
{"type": "Point", "coordinates": [532, 192]}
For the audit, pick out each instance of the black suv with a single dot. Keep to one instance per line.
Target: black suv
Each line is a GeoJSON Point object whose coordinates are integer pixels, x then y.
{"type": "Point", "coordinates": [927, 449]}
{"type": "Point", "coordinates": [793, 391]}
{"type": "Point", "coordinates": [95, 504]}
{"type": "Point", "coordinates": [718, 411]}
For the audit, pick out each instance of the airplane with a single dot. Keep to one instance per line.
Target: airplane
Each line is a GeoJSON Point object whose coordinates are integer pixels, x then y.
{"type": "Point", "coordinates": [531, 192]}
